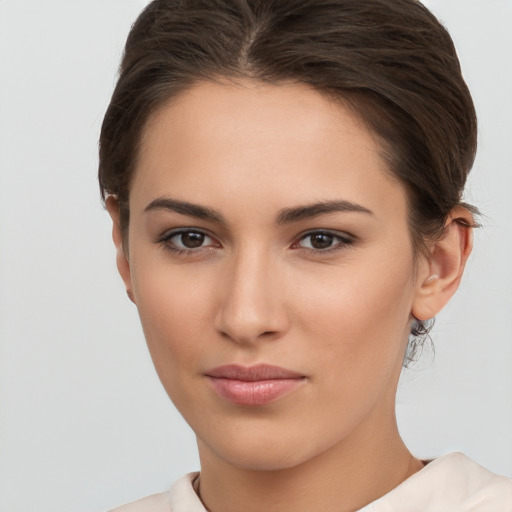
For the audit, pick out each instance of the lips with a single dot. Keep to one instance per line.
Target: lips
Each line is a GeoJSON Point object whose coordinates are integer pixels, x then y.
{"type": "Point", "coordinates": [254, 385]}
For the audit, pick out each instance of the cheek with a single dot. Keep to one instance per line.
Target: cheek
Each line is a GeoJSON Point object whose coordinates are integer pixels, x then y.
{"type": "Point", "coordinates": [356, 330]}
{"type": "Point", "coordinates": [174, 309]}
{"type": "Point", "coordinates": [173, 317]}
{"type": "Point", "coordinates": [360, 315]}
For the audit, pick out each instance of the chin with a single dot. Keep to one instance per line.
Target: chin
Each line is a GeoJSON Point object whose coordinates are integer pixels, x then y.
{"type": "Point", "coordinates": [256, 448]}
{"type": "Point", "coordinates": [262, 459]}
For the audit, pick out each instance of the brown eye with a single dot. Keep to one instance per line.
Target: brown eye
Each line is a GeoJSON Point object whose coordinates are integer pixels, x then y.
{"type": "Point", "coordinates": [323, 241]}
{"type": "Point", "coordinates": [191, 239]}
{"type": "Point", "coordinates": [184, 240]}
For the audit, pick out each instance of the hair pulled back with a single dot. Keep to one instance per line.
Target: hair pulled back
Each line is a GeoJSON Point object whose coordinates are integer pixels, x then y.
{"type": "Point", "coordinates": [391, 61]}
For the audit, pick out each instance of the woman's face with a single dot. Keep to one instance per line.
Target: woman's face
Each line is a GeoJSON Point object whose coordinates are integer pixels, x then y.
{"type": "Point", "coordinates": [266, 230]}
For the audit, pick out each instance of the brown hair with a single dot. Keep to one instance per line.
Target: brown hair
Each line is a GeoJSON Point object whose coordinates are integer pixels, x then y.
{"type": "Point", "coordinates": [390, 60]}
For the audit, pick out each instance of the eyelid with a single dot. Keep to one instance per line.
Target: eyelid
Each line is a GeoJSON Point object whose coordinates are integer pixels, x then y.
{"type": "Point", "coordinates": [344, 239]}
{"type": "Point", "coordinates": [165, 239]}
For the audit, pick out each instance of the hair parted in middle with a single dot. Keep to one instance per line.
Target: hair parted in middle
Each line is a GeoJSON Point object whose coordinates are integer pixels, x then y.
{"type": "Point", "coordinates": [392, 62]}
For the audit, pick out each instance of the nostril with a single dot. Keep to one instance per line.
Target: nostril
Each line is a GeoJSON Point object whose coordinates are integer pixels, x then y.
{"type": "Point", "coordinates": [248, 335]}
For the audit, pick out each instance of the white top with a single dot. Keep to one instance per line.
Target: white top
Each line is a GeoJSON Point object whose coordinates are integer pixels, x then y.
{"type": "Point", "coordinates": [451, 483]}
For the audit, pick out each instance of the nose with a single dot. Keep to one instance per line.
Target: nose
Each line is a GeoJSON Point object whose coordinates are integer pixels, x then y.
{"type": "Point", "coordinates": [252, 307]}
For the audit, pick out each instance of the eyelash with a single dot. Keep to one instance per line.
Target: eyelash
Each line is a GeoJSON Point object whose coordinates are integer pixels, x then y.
{"type": "Point", "coordinates": [340, 241]}
{"type": "Point", "coordinates": [166, 240]}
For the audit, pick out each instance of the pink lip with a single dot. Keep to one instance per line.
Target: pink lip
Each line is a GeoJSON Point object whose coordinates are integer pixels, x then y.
{"type": "Point", "coordinates": [254, 385]}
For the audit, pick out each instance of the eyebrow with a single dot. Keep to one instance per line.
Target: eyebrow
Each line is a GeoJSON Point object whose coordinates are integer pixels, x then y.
{"type": "Point", "coordinates": [185, 208]}
{"type": "Point", "coordinates": [288, 215]}
{"type": "Point", "coordinates": [285, 216]}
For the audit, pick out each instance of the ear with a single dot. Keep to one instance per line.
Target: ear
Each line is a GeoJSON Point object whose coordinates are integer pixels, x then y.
{"type": "Point", "coordinates": [123, 264]}
{"type": "Point", "coordinates": [442, 273]}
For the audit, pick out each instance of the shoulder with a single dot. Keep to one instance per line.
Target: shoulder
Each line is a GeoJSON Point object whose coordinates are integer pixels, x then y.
{"type": "Point", "coordinates": [153, 503]}
{"type": "Point", "coordinates": [468, 478]}
{"type": "Point", "coordinates": [180, 498]}
{"type": "Point", "coordinates": [471, 486]}
{"type": "Point", "coordinates": [451, 482]}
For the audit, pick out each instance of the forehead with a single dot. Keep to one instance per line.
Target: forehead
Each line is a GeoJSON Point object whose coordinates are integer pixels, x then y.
{"type": "Point", "coordinates": [252, 141]}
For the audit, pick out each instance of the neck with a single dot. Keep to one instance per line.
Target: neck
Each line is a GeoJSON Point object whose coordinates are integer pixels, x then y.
{"type": "Point", "coordinates": [346, 477]}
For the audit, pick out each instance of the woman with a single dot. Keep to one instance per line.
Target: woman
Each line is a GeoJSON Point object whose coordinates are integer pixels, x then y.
{"type": "Point", "coordinates": [285, 183]}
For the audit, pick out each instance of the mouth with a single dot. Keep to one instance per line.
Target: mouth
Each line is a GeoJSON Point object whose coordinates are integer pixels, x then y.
{"type": "Point", "coordinates": [254, 385]}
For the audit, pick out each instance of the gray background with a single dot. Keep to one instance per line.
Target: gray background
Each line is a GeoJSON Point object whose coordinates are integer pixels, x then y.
{"type": "Point", "coordinates": [84, 424]}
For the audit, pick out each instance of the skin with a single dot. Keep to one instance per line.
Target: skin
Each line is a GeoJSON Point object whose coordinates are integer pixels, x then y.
{"type": "Point", "coordinates": [256, 289]}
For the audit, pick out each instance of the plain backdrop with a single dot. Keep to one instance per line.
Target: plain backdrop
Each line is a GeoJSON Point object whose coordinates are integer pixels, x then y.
{"type": "Point", "coordinates": [84, 423]}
